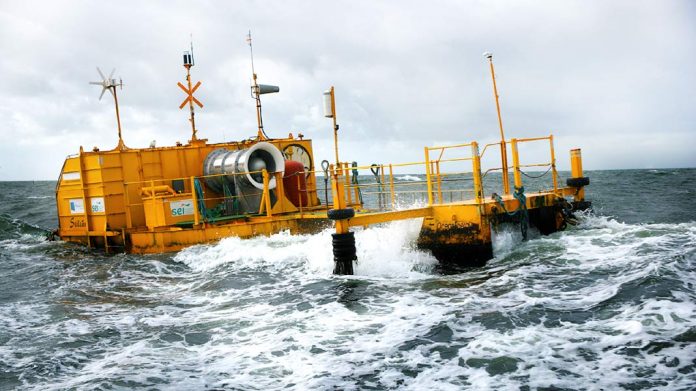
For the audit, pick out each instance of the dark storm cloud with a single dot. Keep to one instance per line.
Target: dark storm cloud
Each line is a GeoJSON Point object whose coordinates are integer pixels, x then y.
{"type": "Point", "coordinates": [613, 78]}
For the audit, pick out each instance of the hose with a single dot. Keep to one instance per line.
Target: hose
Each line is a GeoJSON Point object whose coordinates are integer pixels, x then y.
{"type": "Point", "coordinates": [325, 167]}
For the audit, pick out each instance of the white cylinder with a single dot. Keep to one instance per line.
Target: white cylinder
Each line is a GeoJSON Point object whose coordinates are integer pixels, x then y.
{"type": "Point", "coordinates": [328, 107]}
{"type": "Point", "coordinates": [244, 162]}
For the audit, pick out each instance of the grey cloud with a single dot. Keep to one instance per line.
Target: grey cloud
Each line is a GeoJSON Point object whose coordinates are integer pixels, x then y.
{"type": "Point", "coordinates": [613, 78]}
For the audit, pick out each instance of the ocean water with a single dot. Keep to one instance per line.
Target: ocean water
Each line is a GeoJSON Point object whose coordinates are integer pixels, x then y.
{"type": "Point", "coordinates": [605, 305]}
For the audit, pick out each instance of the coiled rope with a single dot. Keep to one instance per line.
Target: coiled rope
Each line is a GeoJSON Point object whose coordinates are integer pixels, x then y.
{"type": "Point", "coordinates": [521, 212]}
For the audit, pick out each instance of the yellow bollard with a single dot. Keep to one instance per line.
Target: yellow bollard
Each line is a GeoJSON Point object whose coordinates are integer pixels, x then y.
{"type": "Point", "coordinates": [576, 163]}
{"type": "Point", "coordinates": [576, 172]}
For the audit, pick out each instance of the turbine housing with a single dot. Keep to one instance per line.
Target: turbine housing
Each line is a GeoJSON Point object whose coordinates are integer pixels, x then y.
{"type": "Point", "coordinates": [240, 172]}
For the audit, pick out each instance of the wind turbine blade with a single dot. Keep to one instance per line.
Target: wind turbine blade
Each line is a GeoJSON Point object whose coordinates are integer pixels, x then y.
{"type": "Point", "coordinates": [111, 90]}
{"type": "Point", "coordinates": [101, 74]}
{"type": "Point", "coordinates": [102, 94]}
{"type": "Point", "coordinates": [111, 76]}
{"type": "Point", "coordinates": [97, 83]}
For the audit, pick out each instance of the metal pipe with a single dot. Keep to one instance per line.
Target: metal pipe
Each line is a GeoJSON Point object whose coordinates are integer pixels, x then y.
{"type": "Point", "coordinates": [553, 165]}
{"type": "Point", "coordinates": [516, 164]}
{"type": "Point", "coordinates": [335, 125]}
{"type": "Point", "coordinates": [391, 186]}
{"type": "Point", "coordinates": [193, 121]}
{"type": "Point", "coordinates": [476, 166]}
{"type": "Point", "coordinates": [503, 150]}
{"type": "Point", "coordinates": [428, 177]}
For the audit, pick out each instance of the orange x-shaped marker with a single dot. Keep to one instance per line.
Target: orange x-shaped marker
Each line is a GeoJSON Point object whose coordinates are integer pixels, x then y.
{"type": "Point", "coordinates": [190, 95]}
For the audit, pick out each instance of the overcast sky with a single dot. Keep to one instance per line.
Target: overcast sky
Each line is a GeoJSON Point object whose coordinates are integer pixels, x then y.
{"type": "Point", "coordinates": [617, 79]}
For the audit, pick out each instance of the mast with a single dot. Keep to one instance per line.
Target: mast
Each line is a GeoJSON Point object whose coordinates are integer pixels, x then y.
{"type": "Point", "coordinates": [121, 145]}
{"type": "Point", "coordinates": [503, 147]}
{"type": "Point", "coordinates": [257, 90]}
{"type": "Point", "coordinates": [110, 85]}
{"type": "Point", "coordinates": [190, 99]}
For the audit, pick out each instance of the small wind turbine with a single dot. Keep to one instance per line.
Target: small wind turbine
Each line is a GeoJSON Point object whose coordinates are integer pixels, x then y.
{"type": "Point", "coordinates": [110, 84]}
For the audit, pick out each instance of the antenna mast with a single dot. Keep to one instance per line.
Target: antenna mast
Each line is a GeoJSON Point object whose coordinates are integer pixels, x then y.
{"type": "Point", "coordinates": [190, 99]}
{"type": "Point", "coordinates": [110, 84]}
{"type": "Point", "coordinates": [503, 147]}
{"type": "Point", "coordinates": [257, 90]}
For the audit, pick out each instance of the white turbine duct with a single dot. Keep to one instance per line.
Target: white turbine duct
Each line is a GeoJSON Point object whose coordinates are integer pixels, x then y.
{"type": "Point", "coordinates": [243, 167]}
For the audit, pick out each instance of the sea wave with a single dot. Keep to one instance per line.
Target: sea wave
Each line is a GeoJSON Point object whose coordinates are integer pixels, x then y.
{"type": "Point", "coordinates": [602, 305]}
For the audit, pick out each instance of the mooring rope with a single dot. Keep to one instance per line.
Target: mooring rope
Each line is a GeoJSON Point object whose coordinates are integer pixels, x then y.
{"type": "Point", "coordinates": [536, 176]}
{"type": "Point", "coordinates": [521, 211]}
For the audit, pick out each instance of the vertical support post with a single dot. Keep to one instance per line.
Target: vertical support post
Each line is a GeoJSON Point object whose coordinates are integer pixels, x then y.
{"type": "Point", "coordinates": [516, 164]}
{"type": "Point", "coordinates": [343, 241]}
{"type": "Point", "coordinates": [576, 171]}
{"type": "Point", "coordinates": [121, 145]}
{"type": "Point", "coordinates": [391, 186]}
{"type": "Point", "coordinates": [356, 187]}
{"type": "Point", "coordinates": [428, 177]}
{"type": "Point", "coordinates": [346, 173]}
{"type": "Point", "coordinates": [129, 218]}
{"type": "Point", "coordinates": [280, 189]}
{"type": "Point", "coordinates": [257, 95]}
{"type": "Point", "coordinates": [299, 191]}
{"type": "Point", "coordinates": [339, 201]}
{"type": "Point", "coordinates": [553, 165]}
{"type": "Point", "coordinates": [335, 125]}
{"type": "Point", "coordinates": [382, 192]}
{"type": "Point", "coordinates": [194, 197]}
{"type": "Point", "coordinates": [266, 193]}
{"type": "Point", "coordinates": [84, 197]}
{"type": "Point", "coordinates": [476, 163]}
{"type": "Point", "coordinates": [106, 238]}
{"type": "Point", "coordinates": [439, 181]}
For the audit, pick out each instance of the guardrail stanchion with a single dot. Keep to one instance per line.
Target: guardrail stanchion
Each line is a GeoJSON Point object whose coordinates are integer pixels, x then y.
{"type": "Point", "coordinates": [391, 186]}
{"type": "Point", "coordinates": [346, 173]}
{"type": "Point", "coordinates": [266, 193]}
{"type": "Point", "coordinates": [516, 163]}
{"type": "Point", "coordinates": [553, 165]}
{"type": "Point", "coordinates": [428, 177]}
{"type": "Point", "coordinates": [476, 166]}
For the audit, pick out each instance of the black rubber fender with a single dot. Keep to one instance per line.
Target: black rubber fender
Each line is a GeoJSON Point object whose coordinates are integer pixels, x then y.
{"type": "Point", "coordinates": [340, 214]}
{"type": "Point", "coordinates": [578, 182]}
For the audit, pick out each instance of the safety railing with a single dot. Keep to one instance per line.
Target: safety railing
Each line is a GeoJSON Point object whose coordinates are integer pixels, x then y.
{"type": "Point", "coordinates": [435, 174]}
{"type": "Point", "coordinates": [383, 186]}
{"type": "Point", "coordinates": [518, 168]}
{"type": "Point", "coordinates": [449, 178]}
{"type": "Point", "coordinates": [453, 173]}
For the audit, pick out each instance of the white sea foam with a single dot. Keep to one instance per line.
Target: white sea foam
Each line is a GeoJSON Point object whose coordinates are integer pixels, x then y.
{"type": "Point", "coordinates": [383, 251]}
{"type": "Point", "coordinates": [409, 178]}
{"type": "Point", "coordinates": [24, 242]}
